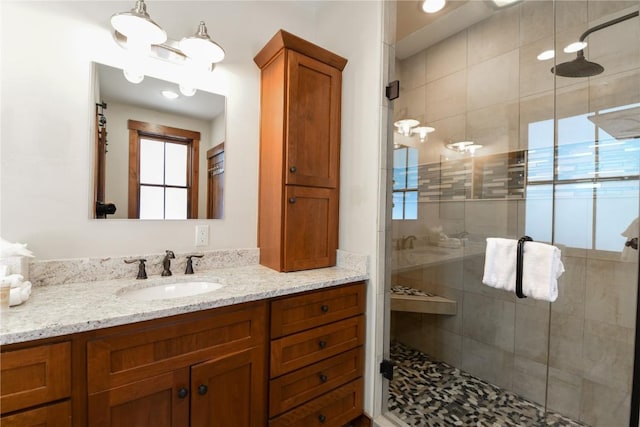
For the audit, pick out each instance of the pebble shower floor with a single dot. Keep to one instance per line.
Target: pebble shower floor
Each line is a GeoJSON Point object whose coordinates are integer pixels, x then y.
{"type": "Point", "coordinates": [426, 392]}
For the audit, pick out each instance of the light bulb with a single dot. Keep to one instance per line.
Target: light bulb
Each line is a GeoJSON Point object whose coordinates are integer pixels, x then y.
{"type": "Point", "coordinates": [133, 74]}
{"type": "Point", "coordinates": [433, 6]}
{"type": "Point", "coordinates": [547, 54]}
{"type": "Point", "coordinates": [187, 90]}
{"type": "Point", "coordinates": [575, 46]}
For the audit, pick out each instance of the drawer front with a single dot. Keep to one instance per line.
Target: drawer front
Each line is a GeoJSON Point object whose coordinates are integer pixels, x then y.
{"type": "Point", "coordinates": [34, 376]}
{"type": "Point", "coordinates": [335, 408]}
{"type": "Point", "coordinates": [305, 348]}
{"type": "Point", "coordinates": [307, 383]}
{"type": "Point", "coordinates": [144, 352]}
{"type": "Point", "coordinates": [55, 415]}
{"type": "Point", "coordinates": [298, 313]}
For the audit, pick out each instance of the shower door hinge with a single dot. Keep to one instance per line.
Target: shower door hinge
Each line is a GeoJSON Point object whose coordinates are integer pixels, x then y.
{"type": "Point", "coordinates": [386, 369]}
{"type": "Point", "coordinates": [392, 91]}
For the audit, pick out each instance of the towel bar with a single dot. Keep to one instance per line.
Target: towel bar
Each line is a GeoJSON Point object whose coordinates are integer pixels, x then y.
{"type": "Point", "coordinates": [519, 260]}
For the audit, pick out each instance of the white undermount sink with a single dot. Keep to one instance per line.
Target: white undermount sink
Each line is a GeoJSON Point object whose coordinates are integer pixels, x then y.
{"type": "Point", "coordinates": [170, 290]}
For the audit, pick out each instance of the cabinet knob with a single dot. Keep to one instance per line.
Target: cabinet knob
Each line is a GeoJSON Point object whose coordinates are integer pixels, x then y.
{"type": "Point", "coordinates": [324, 308]}
{"type": "Point", "coordinates": [293, 169]}
{"type": "Point", "coordinates": [322, 418]}
{"type": "Point", "coordinates": [322, 344]}
{"type": "Point", "coordinates": [323, 378]}
{"type": "Point", "coordinates": [182, 393]}
{"type": "Point", "coordinates": [292, 199]}
{"type": "Point", "coordinates": [202, 389]}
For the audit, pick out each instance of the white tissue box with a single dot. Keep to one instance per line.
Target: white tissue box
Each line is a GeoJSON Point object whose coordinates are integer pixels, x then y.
{"type": "Point", "coordinates": [15, 265]}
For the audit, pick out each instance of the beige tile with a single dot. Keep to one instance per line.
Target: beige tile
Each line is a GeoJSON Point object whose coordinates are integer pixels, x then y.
{"type": "Point", "coordinates": [608, 360]}
{"type": "Point", "coordinates": [611, 289]}
{"type": "Point", "coordinates": [571, 13]}
{"type": "Point", "coordinates": [447, 347]}
{"type": "Point", "coordinates": [487, 362]}
{"type": "Point", "coordinates": [614, 47]}
{"type": "Point", "coordinates": [534, 109]}
{"type": "Point", "coordinates": [536, 75]}
{"type": "Point", "coordinates": [494, 127]}
{"type": "Point", "coordinates": [446, 97]}
{"type": "Point", "coordinates": [564, 393]}
{"type": "Point", "coordinates": [532, 332]}
{"type": "Point", "coordinates": [566, 343]}
{"type": "Point", "coordinates": [605, 10]}
{"type": "Point", "coordinates": [488, 320]}
{"type": "Point", "coordinates": [447, 57]}
{"type": "Point", "coordinates": [529, 379]}
{"type": "Point", "coordinates": [413, 71]}
{"type": "Point", "coordinates": [410, 104]}
{"type": "Point", "coordinates": [494, 36]}
{"type": "Point", "coordinates": [447, 274]}
{"type": "Point", "coordinates": [614, 91]}
{"type": "Point", "coordinates": [571, 287]}
{"type": "Point", "coordinates": [448, 130]}
{"type": "Point", "coordinates": [536, 21]}
{"type": "Point", "coordinates": [604, 406]}
{"type": "Point", "coordinates": [493, 81]}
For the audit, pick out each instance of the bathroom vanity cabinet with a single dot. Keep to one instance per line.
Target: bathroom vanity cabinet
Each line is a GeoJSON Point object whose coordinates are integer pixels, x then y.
{"type": "Point", "coordinates": [316, 363]}
{"type": "Point", "coordinates": [301, 86]}
{"type": "Point", "coordinates": [198, 370]}
{"type": "Point", "coordinates": [35, 386]}
{"type": "Point", "coordinates": [293, 360]}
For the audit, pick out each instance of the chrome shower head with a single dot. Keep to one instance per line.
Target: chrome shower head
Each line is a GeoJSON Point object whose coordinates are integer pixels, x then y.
{"type": "Point", "coordinates": [579, 67]}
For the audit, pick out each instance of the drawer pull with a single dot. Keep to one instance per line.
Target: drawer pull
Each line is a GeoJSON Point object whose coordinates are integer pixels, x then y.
{"type": "Point", "coordinates": [324, 308]}
{"type": "Point", "coordinates": [322, 418]}
{"type": "Point", "coordinates": [202, 389]}
{"type": "Point", "coordinates": [293, 169]}
{"type": "Point", "coordinates": [323, 378]}
{"type": "Point", "coordinates": [322, 344]}
{"type": "Point", "coordinates": [182, 393]}
{"type": "Point", "coordinates": [292, 199]}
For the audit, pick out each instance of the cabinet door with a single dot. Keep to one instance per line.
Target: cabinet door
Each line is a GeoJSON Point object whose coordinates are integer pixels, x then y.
{"type": "Point", "coordinates": [55, 415]}
{"type": "Point", "coordinates": [155, 402]}
{"type": "Point", "coordinates": [311, 228]}
{"type": "Point", "coordinates": [230, 392]}
{"type": "Point", "coordinates": [313, 125]}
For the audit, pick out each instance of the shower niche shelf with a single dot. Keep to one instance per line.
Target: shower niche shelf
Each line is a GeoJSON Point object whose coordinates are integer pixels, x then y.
{"type": "Point", "coordinates": [412, 300]}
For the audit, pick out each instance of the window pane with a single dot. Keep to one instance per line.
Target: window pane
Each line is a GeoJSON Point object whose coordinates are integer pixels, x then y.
{"type": "Point", "coordinates": [539, 212]}
{"type": "Point", "coordinates": [616, 208]}
{"type": "Point", "coordinates": [151, 202]}
{"type": "Point", "coordinates": [399, 168]}
{"type": "Point", "coordinates": [176, 164]}
{"type": "Point", "coordinates": [176, 207]}
{"type": "Point", "coordinates": [411, 205]}
{"type": "Point", "coordinates": [574, 215]}
{"type": "Point", "coordinates": [412, 168]}
{"type": "Point", "coordinates": [151, 161]}
{"type": "Point", "coordinates": [398, 206]}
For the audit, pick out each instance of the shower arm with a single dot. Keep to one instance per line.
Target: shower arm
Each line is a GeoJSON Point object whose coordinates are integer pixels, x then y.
{"type": "Point", "coordinates": [605, 25]}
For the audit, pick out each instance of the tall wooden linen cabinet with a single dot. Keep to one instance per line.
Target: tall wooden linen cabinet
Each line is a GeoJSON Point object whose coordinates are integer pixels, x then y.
{"type": "Point", "coordinates": [301, 86]}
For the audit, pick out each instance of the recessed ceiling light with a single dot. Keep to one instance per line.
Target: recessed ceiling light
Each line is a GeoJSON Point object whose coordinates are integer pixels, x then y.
{"type": "Point", "coordinates": [169, 94]}
{"type": "Point", "coordinates": [575, 46]}
{"type": "Point", "coordinates": [432, 6]}
{"type": "Point", "coordinates": [547, 54]}
{"type": "Point", "coordinates": [503, 3]}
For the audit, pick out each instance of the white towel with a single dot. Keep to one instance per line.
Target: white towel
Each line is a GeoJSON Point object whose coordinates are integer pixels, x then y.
{"type": "Point", "coordinates": [542, 266]}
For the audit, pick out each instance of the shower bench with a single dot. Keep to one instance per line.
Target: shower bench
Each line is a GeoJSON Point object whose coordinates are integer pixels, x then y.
{"type": "Point", "coordinates": [404, 298]}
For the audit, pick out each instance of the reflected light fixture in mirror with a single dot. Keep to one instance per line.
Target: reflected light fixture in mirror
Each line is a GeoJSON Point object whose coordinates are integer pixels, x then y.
{"type": "Point", "coordinates": [143, 37]}
{"type": "Point", "coordinates": [433, 6]}
{"type": "Point", "coordinates": [410, 127]}
{"type": "Point", "coordinates": [464, 147]}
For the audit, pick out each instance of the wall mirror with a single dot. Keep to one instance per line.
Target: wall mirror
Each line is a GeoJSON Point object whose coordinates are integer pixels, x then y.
{"type": "Point", "coordinates": [159, 154]}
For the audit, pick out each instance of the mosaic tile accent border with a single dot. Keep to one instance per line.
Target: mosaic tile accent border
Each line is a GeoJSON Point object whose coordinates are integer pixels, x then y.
{"type": "Point", "coordinates": [426, 392]}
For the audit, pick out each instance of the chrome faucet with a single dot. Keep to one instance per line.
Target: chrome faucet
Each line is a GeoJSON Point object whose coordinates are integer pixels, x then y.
{"type": "Point", "coordinates": [166, 263]}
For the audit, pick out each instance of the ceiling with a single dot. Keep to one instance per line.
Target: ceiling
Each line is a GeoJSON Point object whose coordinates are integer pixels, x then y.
{"type": "Point", "coordinates": [147, 94]}
{"type": "Point", "coordinates": [416, 30]}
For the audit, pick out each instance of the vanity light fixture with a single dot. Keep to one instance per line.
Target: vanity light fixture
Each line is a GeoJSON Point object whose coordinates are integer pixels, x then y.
{"type": "Point", "coordinates": [141, 36]}
{"type": "Point", "coordinates": [433, 6]}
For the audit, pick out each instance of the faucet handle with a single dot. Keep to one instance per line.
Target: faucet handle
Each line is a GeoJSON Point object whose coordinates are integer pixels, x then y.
{"type": "Point", "coordinates": [189, 269]}
{"type": "Point", "coordinates": [142, 273]}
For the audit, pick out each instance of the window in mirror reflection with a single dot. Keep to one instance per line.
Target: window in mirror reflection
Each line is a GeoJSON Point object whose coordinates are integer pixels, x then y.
{"type": "Point", "coordinates": [163, 176]}
{"type": "Point", "coordinates": [405, 183]}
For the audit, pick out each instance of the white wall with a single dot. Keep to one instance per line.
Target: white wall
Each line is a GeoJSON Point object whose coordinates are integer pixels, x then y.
{"type": "Point", "coordinates": [46, 181]}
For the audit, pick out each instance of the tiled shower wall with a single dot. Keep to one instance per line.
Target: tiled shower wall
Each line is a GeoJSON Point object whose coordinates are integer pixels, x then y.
{"type": "Point", "coordinates": [485, 84]}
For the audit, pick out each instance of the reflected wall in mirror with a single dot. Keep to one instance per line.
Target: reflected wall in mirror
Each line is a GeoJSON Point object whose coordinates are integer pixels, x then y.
{"type": "Point", "coordinates": [156, 157]}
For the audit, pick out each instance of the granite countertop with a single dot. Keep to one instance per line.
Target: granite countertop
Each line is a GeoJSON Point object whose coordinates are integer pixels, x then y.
{"type": "Point", "coordinates": [57, 310]}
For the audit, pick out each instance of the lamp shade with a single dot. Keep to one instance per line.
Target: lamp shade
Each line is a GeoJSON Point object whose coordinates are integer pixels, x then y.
{"type": "Point", "coordinates": [201, 48]}
{"type": "Point", "coordinates": [137, 24]}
